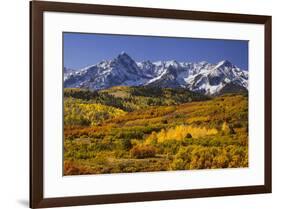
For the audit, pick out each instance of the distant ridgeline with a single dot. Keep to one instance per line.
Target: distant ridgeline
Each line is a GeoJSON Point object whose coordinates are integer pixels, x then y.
{"type": "Point", "coordinates": [203, 77]}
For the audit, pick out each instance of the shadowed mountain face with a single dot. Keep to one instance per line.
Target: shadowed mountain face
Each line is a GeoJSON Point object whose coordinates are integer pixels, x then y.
{"type": "Point", "coordinates": [202, 77]}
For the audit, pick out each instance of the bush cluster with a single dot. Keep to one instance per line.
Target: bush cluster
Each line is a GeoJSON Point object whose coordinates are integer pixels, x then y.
{"type": "Point", "coordinates": [143, 151]}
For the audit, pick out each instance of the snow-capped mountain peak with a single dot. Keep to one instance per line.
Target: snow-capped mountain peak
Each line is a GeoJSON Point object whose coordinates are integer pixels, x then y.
{"type": "Point", "coordinates": [124, 57]}
{"type": "Point", "coordinates": [200, 77]}
{"type": "Point", "coordinates": [224, 63]}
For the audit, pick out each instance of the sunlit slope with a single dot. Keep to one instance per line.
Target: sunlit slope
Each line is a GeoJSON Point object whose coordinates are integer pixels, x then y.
{"type": "Point", "coordinates": [131, 129]}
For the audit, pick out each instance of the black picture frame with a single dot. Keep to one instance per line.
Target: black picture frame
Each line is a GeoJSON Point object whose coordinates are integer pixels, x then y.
{"type": "Point", "coordinates": [37, 8]}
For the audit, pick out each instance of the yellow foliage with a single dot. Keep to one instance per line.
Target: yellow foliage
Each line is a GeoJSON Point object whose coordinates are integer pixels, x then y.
{"type": "Point", "coordinates": [225, 127]}
{"type": "Point", "coordinates": [75, 112]}
{"type": "Point", "coordinates": [152, 138]}
{"type": "Point", "coordinates": [180, 132]}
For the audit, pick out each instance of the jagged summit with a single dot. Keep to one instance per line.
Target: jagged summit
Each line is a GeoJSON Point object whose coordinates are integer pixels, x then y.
{"type": "Point", "coordinates": [225, 63]}
{"type": "Point", "coordinates": [124, 55]}
{"type": "Point", "coordinates": [203, 77]}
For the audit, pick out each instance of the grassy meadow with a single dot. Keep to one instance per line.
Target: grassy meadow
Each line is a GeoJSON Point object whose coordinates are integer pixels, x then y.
{"type": "Point", "coordinates": [142, 129]}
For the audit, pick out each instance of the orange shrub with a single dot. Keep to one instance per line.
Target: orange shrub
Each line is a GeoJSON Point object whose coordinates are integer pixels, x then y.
{"type": "Point", "coordinates": [71, 168]}
{"type": "Point", "coordinates": [143, 151]}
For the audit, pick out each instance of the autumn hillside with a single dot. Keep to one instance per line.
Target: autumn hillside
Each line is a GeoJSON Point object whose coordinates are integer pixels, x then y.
{"type": "Point", "coordinates": [137, 129]}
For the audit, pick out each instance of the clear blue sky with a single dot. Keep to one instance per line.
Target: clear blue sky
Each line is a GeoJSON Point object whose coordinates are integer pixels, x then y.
{"type": "Point", "coordinates": [81, 49]}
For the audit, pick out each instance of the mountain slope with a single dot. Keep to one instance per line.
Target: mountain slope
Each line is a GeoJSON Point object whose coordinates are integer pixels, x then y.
{"type": "Point", "coordinates": [134, 98]}
{"type": "Point", "coordinates": [202, 77]}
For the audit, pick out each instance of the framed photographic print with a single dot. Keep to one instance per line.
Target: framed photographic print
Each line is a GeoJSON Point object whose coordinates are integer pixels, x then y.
{"type": "Point", "coordinates": [139, 104]}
